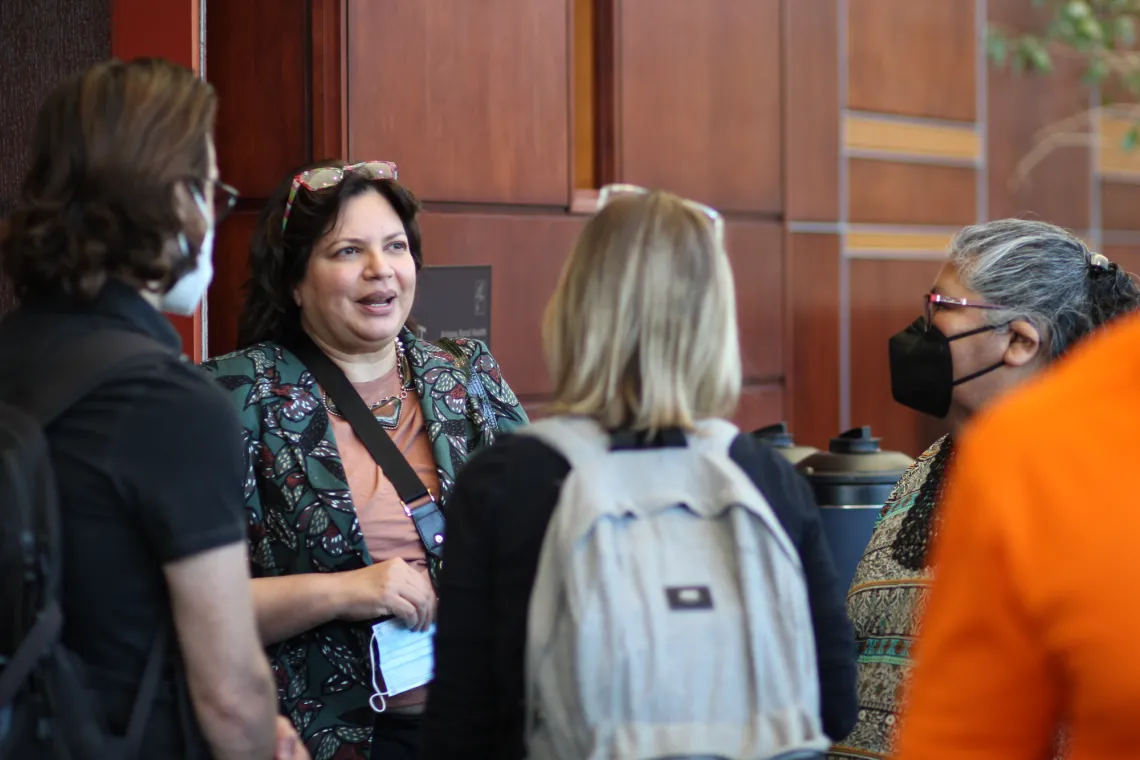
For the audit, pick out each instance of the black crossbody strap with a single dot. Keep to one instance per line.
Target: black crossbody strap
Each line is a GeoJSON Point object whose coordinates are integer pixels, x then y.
{"type": "Point", "coordinates": [428, 518]}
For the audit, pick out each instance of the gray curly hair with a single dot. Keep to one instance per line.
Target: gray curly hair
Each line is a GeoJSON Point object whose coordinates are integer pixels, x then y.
{"type": "Point", "coordinates": [1044, 274]}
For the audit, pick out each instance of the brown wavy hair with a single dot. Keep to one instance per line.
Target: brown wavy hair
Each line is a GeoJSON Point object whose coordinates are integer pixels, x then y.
{"type": "Point", "coordinates": [279, 260]}
{"type": "Point", "coordinates": [110, 145]}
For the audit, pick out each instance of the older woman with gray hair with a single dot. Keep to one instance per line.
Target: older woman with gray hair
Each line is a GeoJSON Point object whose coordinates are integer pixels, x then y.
{"type": "Point", "coordinates": [1014, 296]}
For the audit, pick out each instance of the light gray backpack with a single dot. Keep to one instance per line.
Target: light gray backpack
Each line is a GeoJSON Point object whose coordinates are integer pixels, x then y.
{"type": "Point", "coordinates": [669, 616]}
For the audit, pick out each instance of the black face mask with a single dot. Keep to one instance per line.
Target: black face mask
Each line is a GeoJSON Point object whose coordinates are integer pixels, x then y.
{"type": "Point", "coordinates": [922, 369]}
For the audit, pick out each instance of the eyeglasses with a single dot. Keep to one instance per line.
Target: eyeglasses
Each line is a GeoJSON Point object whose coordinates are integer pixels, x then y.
{"type": "Point", "coordinates": [934, 299]}
{"type": "Point", "coordinates": [609, 192]}
{"type": "Point", "coordinates": [325, 177]}
{"type": "Point", "coordinates": [225, 196]}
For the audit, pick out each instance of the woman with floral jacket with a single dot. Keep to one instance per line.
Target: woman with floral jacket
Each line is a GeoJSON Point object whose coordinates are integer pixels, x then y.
{"type": "Point", "coordinates": [333, 548]}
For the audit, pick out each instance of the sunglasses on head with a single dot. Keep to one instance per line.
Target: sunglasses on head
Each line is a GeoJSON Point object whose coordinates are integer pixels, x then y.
{"type": "Point", "coordinates": [324, 177]}
{"type": "Point", "coordinates": [609, 192]}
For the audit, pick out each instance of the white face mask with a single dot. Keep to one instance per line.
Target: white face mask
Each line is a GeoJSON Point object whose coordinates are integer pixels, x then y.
{"type": "Point", "coordinates": [183, 299]}
{"type": "Point", "coordinates": [403, 658]}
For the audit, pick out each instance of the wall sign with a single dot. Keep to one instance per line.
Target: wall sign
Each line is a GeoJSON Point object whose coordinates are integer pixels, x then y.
{"type": "Point", "coordinates": [453, 302]}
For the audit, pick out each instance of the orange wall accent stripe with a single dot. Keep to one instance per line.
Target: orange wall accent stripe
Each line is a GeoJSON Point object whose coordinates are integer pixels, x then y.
{"type": "Point", "coordinates": [1112, 159]}
{"type": "Point", "coordinates": [863, 134]}
{"type": "Point", "coordinates": [897, 241]}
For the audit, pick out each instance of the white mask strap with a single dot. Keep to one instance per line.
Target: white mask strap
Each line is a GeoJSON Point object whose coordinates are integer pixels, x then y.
{"type": "Point", "coordinates": [377, 692]}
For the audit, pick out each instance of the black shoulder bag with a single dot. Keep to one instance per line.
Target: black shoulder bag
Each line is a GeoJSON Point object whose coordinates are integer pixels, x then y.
{"type": "Point", "coordinates": [426, 516]}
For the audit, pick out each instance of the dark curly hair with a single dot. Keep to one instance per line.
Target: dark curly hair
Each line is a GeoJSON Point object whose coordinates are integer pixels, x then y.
{"type": "Point", "coordinates": [278, 260]}
{"type": "Point", "coordinates": [109, 147]}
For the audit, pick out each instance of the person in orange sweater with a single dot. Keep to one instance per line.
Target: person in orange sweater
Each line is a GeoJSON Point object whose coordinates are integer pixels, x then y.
{"type": "Point", "coordinates": [1033, 619]}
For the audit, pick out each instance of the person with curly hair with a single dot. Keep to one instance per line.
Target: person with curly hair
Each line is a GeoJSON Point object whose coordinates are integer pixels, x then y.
{"type": "Point", "coordinates": [113, 227]}
{"type": "Point", "coordinates": [354, 431]}
{"type": "Point", "coordinates": [1014, 296]}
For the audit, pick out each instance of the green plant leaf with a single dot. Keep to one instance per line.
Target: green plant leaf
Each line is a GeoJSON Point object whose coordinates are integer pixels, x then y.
{"type": "Point", "coordinates": [997, 47]}
{"type": "Point", "coordinates": [1096, 73]}
{"type": "Point", "coordinates": [1090, 29]}
{"type": "Point", "coordinates": [1131, 81]}
{"type": "Point", "coordinates": [1131, 137]}
{"type": "Point", "coordinates": [1077, 10]}
{"type": "Point", "coordinates": [1036, 55]}
{"type": "Point", "coordinates": [1124, 31]}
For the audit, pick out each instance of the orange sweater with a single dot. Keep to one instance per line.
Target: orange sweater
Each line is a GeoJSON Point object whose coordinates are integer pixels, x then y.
{"type": "Point", "coordinates": [1034, 619]}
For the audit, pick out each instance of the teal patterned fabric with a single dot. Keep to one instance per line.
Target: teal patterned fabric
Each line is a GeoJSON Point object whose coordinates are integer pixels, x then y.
{"type": "Point", "coordinates": [885, 603]}
{"type": "Point", "coordinates": [300, 517]}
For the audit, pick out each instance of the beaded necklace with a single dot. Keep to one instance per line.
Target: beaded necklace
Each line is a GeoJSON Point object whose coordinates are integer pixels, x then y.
{"type": "Point", "coordinates": [387, 411]}
{"type": "Point", "coordinates": [919, 526]}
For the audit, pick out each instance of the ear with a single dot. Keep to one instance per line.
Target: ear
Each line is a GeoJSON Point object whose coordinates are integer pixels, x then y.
{"type": "Point", "coordinates": [297, 296]}
{"type": "Point", "coordinates": [1024, 344]}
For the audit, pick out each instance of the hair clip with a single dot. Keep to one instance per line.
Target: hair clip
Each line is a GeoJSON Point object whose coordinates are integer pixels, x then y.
{"type": "Point", "coordinates": [1099, 261]}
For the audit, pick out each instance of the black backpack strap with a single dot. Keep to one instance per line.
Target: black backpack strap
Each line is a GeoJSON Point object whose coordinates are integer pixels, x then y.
{"type": "Point", "coordinates": [148, 691]}
{"type": "Point", "coordinates": [427, 517]}
{"type": "Point", "coordinates": [36, 643]}
{"type": "Point", "coordinates": [75, 369]}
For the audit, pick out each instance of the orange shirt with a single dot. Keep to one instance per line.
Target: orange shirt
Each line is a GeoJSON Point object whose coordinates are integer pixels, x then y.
{"type": "Point", "coordinates": [388, 532]}
{"type": "Point", "coordinates": [1034, 619]}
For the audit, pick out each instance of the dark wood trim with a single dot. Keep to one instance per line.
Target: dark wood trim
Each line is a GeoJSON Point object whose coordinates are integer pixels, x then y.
{"type": "Point", "coordinates": [571, 98]}
{"type": "Point", "coordinates": [329, 79]}
{"type": "Point", "coordinates": [789, 310]}
{"type": "Point", "coordinates": [606, 90]}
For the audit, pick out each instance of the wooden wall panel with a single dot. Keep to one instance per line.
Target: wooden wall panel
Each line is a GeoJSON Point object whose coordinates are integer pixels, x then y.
{"type": "Point", "coordinates": [167, 29]}
{"type": "Point", "coordinates": [811, 110]}
{"type": "Point", "coordinates": [814, 293]}
{"type": "Point", "coordinates": [1018, 108]}
{"type": "Point", "coordinates": [1120, 206]}
{"type": "Point", "coordinates": [264, 130]}
{"type": "Point", "coordinates": [471, 99]}
{"type": "Point", "coordinates": [231, 271]}
{"type": "Point", "coordinates": [760, 405]}
{"type": "Point", "coordinates": [699, 100]}
{"type": "Point", "coordinates": [886, 296]}
{"type": "Point", "coordinates": [887, 192]}
{"type": "Point", "coordinates": [526, 254]}
{"type": "Point", "coordinates": [912, 57]}
{"type": "Point", "coordinates": [757, 263]}
{"type": "Point", "coordinates": [263, 118]}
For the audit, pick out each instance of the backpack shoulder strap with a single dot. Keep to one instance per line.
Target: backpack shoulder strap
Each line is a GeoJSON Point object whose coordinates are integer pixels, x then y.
{"type": "Point", "coordinates": [714, 435]}
{"type": "Point", "coordinates": [578, 439]}
{"type": "Point", "coordinates": [75, 369]}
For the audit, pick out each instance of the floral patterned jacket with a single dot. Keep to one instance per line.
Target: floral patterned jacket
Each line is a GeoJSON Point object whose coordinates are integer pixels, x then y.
{"type": "Point", "coordinates": [300, 516]}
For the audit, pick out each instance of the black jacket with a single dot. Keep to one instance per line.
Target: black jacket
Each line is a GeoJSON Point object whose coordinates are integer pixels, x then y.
{"type": "Point", "coordinates": [497, 517]}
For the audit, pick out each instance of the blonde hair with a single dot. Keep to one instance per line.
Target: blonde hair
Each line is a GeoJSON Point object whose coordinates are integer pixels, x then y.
{"type": "Point", "coordinates": [641, 331]}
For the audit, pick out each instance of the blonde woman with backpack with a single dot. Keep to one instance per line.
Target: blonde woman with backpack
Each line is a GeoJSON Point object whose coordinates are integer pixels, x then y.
{"type": "Point", "coordinates": [632, 577]}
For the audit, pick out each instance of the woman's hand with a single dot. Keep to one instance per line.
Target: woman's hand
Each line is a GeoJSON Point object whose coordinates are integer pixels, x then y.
{"type": "Point", "coordinates": [289, 744]}
{"type": "Point", "coordinates": [389, 588]}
